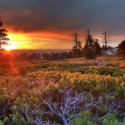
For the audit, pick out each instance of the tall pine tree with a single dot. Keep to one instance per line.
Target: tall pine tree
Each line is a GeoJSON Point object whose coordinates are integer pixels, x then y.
{"type": "Point", "coordinates": [96, 47]}
{"type": "Point", "coordinates": [3, 35]}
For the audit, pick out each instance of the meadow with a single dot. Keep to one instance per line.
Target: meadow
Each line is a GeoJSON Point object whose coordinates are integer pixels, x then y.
{"type": "Point", "coordinates": [75, 91]}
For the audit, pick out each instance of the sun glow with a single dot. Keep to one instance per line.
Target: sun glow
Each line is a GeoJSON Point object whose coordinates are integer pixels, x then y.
{"type": "Point", "coordinates": [10, 46]}
{"type": "Point", "coordinates": [37, 40]}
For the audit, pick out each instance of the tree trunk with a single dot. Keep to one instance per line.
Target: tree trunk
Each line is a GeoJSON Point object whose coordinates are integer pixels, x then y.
{"type": "Point", "coordinates": [64, 121]}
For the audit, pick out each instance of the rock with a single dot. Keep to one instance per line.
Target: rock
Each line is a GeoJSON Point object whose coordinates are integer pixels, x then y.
{"type": "Point", "coordinates": [101, 64]}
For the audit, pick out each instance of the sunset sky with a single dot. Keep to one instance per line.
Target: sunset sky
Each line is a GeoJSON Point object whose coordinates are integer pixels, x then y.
{"type": "Point", "coordinates": [49, 24]}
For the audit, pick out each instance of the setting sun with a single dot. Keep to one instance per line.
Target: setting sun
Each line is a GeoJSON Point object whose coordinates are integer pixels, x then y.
{"type": "Point", "coordinates": [10, 46]}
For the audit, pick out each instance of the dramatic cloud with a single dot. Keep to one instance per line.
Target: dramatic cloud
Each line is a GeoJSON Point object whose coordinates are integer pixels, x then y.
{"type": "Point", "coordinates": [59, 18]}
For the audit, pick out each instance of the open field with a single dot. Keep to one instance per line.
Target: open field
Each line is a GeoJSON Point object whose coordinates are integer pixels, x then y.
{"type": "Point", "coordinates": [74, 91]}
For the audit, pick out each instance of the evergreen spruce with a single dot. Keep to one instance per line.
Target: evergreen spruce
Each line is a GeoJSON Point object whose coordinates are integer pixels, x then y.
{"type": "Point", "coordinates": [3, 35]}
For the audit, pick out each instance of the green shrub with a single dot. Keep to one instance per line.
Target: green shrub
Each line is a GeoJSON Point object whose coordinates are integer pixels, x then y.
{"type": "Point", "coordinates": [90, 54]}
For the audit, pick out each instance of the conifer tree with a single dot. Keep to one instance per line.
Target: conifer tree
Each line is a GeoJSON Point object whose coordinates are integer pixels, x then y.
{"type": "Point", "coordinates": [96, 47]}
{"type": "Point", "coordinates": [121, 49]}
{"type": "Point", "coordinates": [79, 45]}
{"type": "Point", "coordinates": [3, 35]}
{"type": "Point", "coordinates": [88, 51]}
{"type": "Point", "coordinates": [89, 39]}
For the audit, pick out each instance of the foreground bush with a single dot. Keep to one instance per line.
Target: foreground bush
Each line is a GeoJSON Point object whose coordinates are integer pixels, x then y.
{"type": "Point", "coordinates": [57, 97]}
{"type": "Point", "coordinates": [84, 118]}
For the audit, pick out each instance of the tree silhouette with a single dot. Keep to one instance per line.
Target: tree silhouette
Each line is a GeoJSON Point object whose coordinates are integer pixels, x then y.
{"type": "Point", "coordinates": [76, 39]}
{"type": "Point", "coordinates": [106, 38]}
{"type": "Point", "coordinates": [89, 49]}
{"type": "Point", "coordinates": [76, 49]}
{"type": "Point", "coordinates": [96, 47]}
{"type": "Point", "coordinates": [89, 39]}
{"type": "Point", "coordinates": [121, 49]}
{"type": "Point", "coordinates": [86, 46]}
{"type": "Point", "coordinates": [79, 45]}
{"type": "Point", "coordinates": [3, 35]}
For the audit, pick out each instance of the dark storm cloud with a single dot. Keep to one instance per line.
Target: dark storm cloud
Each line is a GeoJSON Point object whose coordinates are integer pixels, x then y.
{"type": "Point", "coordinates": [42, 15]}
{"type": "Point", "coordinates": [64, 15]}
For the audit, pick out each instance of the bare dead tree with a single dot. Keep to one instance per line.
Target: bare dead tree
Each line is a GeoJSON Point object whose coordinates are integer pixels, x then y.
{"type": "Point", "coordinates": [76, 39]}
{"type": "Point", "coordinates": [69, 104]}
{"type": "Point", "coordinates": [67, 108]}
{"type": "Point", "coordinates": [106, 39]}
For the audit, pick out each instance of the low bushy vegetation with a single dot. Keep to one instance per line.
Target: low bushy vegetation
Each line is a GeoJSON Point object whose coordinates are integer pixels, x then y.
{"type": "Point", "coordinates": [70, 92]}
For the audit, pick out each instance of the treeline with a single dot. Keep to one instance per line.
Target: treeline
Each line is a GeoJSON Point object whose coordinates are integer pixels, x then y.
{"type": "Point", "coordinates": [91, 49]}
{"type": "Point", "coordinates": [25, 56]}
{"type": "Point", "coordinates": [89, 53]}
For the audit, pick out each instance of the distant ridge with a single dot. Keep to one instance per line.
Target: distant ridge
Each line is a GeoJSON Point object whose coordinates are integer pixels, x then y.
{"type": "Point", "coordinates": [30, 51]}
